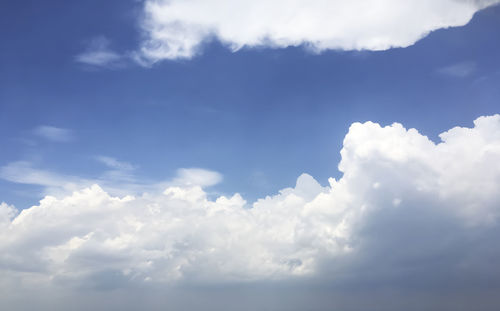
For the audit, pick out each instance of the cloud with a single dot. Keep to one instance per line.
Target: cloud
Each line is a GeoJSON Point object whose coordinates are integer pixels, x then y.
{"type": "Point", "coordinates": [99, 54]}
{"type": "Point", "coordinates": [119, 179]}
{"type": "Point", "coordinates": [459, 70]}
{"type": "Point", "coordinates": [119, 171]}
{"type": "Point", "coordinates": [7, 212]}
{"type": "Point", "coordinates": [407, 214]}
{"type": "Point", "coordinates": [177, 29]}
{"type": "Point", "coordinates": [115, 164]}
{"type": "Point", "coordinates": [197, 176]}
{"type": "Point", "coordinates": [55, 134]}
{"type": "Point", "coordinates": [23, 172]}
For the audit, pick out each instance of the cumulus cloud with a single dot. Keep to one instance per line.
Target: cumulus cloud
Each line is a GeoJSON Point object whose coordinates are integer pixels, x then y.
{"type": "Point", "coordinates": [177, 29]}
{"type": "Point", "coordinates": [407, 212]}
{"type": "Point", "coordinates": [7, 212]}
{"type": "Point", "coordinates": [55, 134]}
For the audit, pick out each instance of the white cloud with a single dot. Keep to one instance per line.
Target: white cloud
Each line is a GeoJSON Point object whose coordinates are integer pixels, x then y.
{"type": "Point", "coordinates": [55, 134]}
{"type": "Point", "coordinates": [115, 164]}
{"type": "Point", "coordinates": [118, 172]}
{"type": "Point", "coordinates": [434, 207]}
{"type": "Point", "coordinates": [177, 28]}
{"type": "Point", "coordinates": [23, 172]}
{"type": "Point", "coordinates": [197, 176]}
{"type": "Point", "coordinates": [458, 70]}
{"type": "Point", "coordinates": [7, 213]}
{"type": "Point", "coordinates": [119, 179]}
{"type": "Point", "coordinates": [99, 54]}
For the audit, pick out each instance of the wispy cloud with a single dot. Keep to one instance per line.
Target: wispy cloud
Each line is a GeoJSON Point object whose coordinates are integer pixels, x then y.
{"type": "Point", "coordinates": [55, 183]}
{"type": "Point", "coordinates": [118, 171]}
{"type": "Point", "coordinates": [99, 54]}
{"type": "Point", "coordinates": [458, 70]}
{"type": "Point", "coordinates": [24, 172]}
{"type": "Point", "coordinates": [115, 164]}
{"type": "Point", "coordinates": [55, 134]}
{"type": "Point", "coordinates": [120, 178]}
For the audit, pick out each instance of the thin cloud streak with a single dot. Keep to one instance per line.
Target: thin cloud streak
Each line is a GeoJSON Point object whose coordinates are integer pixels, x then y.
{"type": "Point", "coordinates": [458, 70]}
{"type": "Point", "coordinates": [55, 134]}
{"type": "Point", "coordinates": [99, 54]}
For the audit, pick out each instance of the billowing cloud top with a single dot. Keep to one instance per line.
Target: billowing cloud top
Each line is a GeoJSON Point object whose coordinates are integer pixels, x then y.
{"type": "Point", "coordinates": [177, 28]}
{"type": "Point", "coordinates": [401, 197]}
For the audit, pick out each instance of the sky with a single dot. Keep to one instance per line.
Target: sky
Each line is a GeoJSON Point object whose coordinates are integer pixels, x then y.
{"type": "Point", "coordinates": [243, 155]}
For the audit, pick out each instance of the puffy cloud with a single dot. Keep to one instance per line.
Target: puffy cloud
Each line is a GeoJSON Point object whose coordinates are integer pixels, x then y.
{"type": "Point", "coordinates": [177, 28]}
{"type": "Point", "coordinates": [407, 212]}
{"type": "Point", "coordinates": [7, 212]}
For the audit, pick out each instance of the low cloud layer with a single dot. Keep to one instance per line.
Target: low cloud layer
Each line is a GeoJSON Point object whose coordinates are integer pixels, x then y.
{"type": "Point", "coordinates": [177, 29]}
{"type": "Point", "coordinates": [407, 214]}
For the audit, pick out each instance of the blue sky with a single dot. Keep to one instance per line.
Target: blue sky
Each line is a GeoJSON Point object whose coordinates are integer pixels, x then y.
{"type": "Point", "coordinates": [259, 116]}
{"type": "Point", "coordinates": [250, 154]}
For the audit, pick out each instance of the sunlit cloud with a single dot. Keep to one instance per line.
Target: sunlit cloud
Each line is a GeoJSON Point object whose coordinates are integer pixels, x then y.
{"type": "Point", "coordinates": [431, 194]}
{"type": "Point", "coordinates": [178, 29]}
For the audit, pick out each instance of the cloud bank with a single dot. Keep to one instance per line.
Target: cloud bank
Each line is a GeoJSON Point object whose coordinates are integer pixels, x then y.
{"type": "Point", "coordinates": [177, 29]}
{"type": "Point", "coordinates": [407, 213]}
